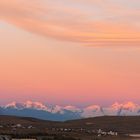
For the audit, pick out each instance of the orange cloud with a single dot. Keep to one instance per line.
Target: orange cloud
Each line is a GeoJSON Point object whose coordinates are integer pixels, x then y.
{"type": "Point", "coordinates": [74, 21]}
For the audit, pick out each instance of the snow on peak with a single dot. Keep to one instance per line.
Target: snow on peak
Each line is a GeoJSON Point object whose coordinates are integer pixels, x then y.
{"type": "Point", "coordinates": [116, 106]}
{"type": "Point", "coordinates": [72, 108]}
{"type": "Point", "coordinates": [93, 110]}
{"type": "Point", "coordinates": [129, 105]}
{"type": "Point", "coordinates": [57, 109]}
{"type": "Point", "coordinates": [29, 105]}
{"type": "Point", "coordinates": [93, 107]}
{"type": "Point", "coordinates": [128, 108]}
{"type": "Point", "coordinates": [120, 109]}
{"type": "Point", "coordinates": [35, 105]}
{"type": "Point", "coordinates": [14, 105]}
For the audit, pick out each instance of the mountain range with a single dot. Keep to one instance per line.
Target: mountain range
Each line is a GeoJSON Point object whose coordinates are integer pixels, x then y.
{"type": "Point", "coordinates": [62, 113]}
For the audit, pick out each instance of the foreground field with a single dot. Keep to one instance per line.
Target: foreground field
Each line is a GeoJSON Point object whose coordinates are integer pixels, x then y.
{"type": "Point", "coordinates": [102, 128]}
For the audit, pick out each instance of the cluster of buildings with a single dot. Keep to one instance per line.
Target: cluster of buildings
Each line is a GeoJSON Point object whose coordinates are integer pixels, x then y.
{"type": "Point", "coordinates": [16, 126]}
{"type": "Point", "coordinates": [99, 132]}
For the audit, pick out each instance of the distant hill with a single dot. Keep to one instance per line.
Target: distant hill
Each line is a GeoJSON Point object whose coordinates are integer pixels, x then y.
{"type": "Point", "coordinates": [24, 125]}
{"type": "Point", "coordinates": [121, 124]}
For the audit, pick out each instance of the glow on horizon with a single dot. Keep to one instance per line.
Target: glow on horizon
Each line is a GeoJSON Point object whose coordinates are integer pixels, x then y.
{"type": "Point", "coordinates": [66, 51]}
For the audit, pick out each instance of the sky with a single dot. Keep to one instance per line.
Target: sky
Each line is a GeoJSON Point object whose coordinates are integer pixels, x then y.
{"type": "Point", "coordinates": [76, 52]}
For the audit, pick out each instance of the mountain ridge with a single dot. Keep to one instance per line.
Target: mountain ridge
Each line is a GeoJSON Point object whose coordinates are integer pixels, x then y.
{"type": "Point", "coordinates": [62, 113]}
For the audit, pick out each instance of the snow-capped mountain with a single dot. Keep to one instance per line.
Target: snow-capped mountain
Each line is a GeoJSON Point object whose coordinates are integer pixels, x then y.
{"type": "Point", "coordinates": [40, 106]}
{"type": "Point", "coordinates": [61, 113]}
{"type": "Point", "coordinates": [93, 110]}
{"type": "Point", "coordinates": [28, 104]}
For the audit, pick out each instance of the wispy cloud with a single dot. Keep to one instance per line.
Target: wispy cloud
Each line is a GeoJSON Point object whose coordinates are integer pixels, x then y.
{"type": "Point", "coordinates": [92, 23]}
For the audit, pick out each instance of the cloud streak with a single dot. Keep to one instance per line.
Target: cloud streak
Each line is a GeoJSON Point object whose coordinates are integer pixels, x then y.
{"type": "Point", "coordinates": [91, 23]}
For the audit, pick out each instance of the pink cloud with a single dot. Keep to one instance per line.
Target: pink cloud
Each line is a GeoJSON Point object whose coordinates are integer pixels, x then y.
{"type": "Point", "coordinates": [71, 21]}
